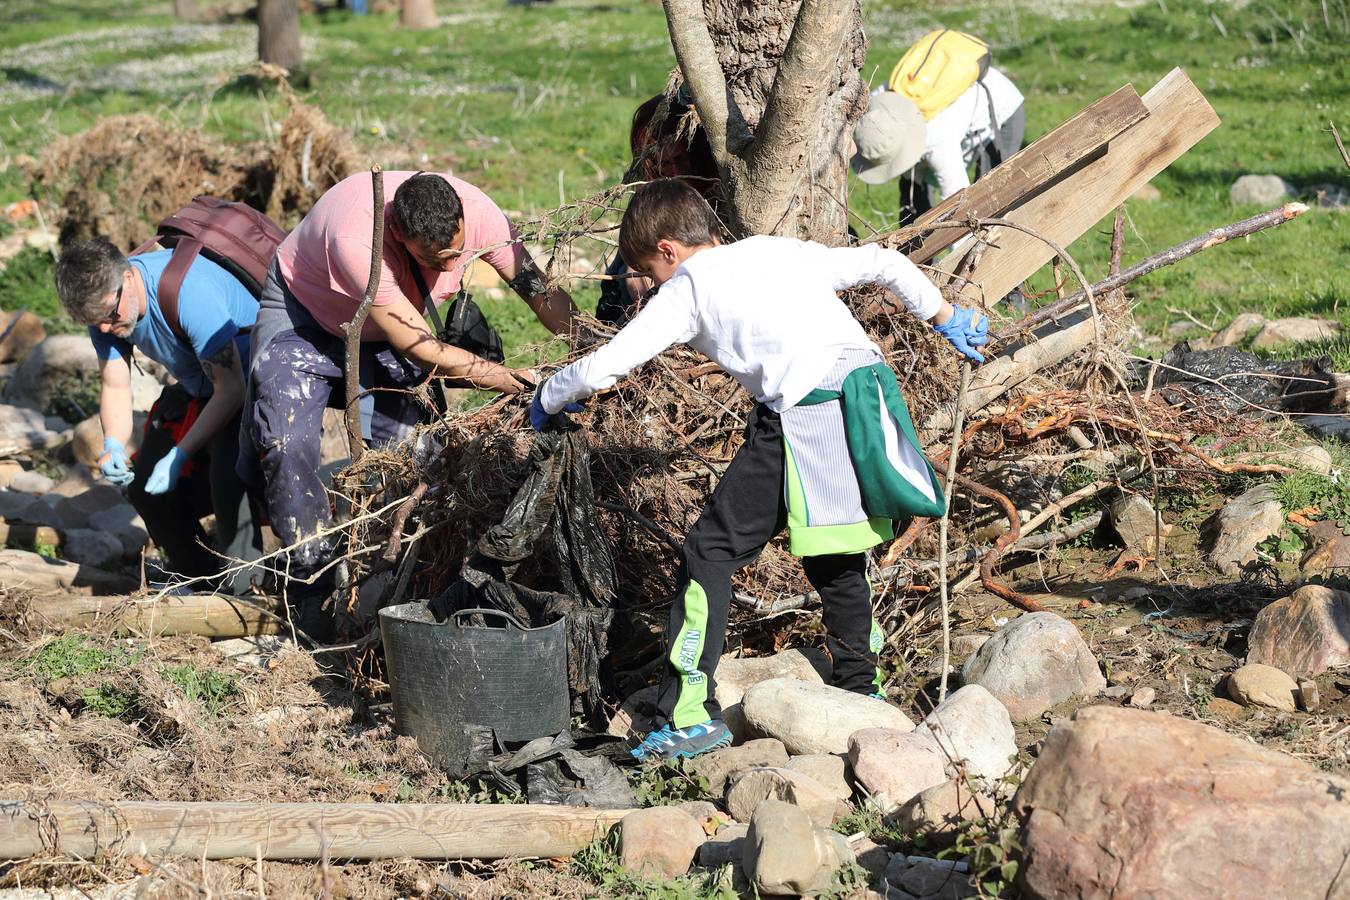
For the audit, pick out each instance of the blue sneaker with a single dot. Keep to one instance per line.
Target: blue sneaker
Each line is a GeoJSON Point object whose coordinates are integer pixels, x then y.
{"type": "Point", "coordinates": [681, 743]}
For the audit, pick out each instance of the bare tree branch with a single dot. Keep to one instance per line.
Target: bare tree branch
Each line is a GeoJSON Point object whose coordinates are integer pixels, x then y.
{"type": "Point", "coordinates": [697, 57]}
{"type": "Point", "coordinates": [792, 116]}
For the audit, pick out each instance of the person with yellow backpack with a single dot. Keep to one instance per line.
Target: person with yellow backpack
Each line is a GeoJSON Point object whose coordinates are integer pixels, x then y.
{"type": "Point", "coordinates": [943, 108]}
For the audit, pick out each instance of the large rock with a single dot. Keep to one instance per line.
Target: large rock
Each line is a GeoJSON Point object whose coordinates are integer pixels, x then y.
{"type": "Point", "coordinates": [22, 331]}
{"type": "Point", "coordinates": [1330, 557]}
{"type": "Point", "coordinates": [1229, 537]}
{"type": "Point", "coordinates": [786, 855]}
{"type": "Point", "coordinates": [1267, 190]}
{"type": "Point", "coordinates": [64, 362]}
{"type": "Point", "coordinates": [20, 569]}
{"type": "Point", "coordinates": [894, 766]}
{"type": "Point", "coordinates": [829, 770]}
{"type": "Point", "coordinates": [31, 482]}
{"type": "Point", "coordinates": [815, 718]}
{"type": "Point", "coordinates": [1305, 633]}
{"type": "Point", "coordinates": [754, 786]}
{"type": "Point", "coordinates": [720, 766]}
{"type": "Point", "coordinates": [91, 548]}
{"type": "Point", "coordinates": [936, 879]}
{"type": "Point", "coordinates": [1258, 685]}
{"type": "Point", "coordinates": [1033, 663]}
{"type": "Point", "coordinates": [727, 846]}
{"type": "Point", "coordinates": [1131, 804]}
{"type": "Point", "coordinates": [736, 675]}
{"type": "Point", "coordinates": [637, 715]}
{"type": "Point", "coordinates": [660, 841]}
{"type": "Point", "coordinates": [120, 520]}
{"type": "Point", "coordinates": [86, 444]}
{"type": "Point", "coordinates": [1297, 330]}
{"type": "Point", "coordinates": [23, 429]}
{"type": "Point", "coordinates": [938, 812]}
{"type": "Point", "coordinates": [973, 727]}
{"type": "Point", "coordinates": [1138, 524]}
{"type": "Point", "coordinates": [1238, 329]}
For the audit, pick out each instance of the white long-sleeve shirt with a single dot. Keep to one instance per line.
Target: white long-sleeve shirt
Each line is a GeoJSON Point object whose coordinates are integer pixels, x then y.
{"type": "Point", "coordinates": [764, 309]}
{"type": "Point", "coordinates": [954, 134]}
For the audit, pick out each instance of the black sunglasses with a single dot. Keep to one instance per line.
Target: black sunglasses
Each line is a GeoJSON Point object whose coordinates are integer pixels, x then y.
{"type": "Point", "coordinates": [111, 317]}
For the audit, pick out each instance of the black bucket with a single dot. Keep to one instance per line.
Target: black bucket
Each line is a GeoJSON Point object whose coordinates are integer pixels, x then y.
{"type": "Point", "coordinates": [445, 676]}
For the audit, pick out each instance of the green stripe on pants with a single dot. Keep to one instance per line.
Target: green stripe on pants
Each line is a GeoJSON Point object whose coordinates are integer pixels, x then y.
{"type": "Point", "coordinates": [686, 647]}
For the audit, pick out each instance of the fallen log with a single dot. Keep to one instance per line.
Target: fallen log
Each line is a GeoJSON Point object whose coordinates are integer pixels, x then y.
{"type": "Point", "coordinates": [205, 614]}
{"type": "Point", "coordinates": [23, 570]}
{"type": "Point", "coordinates": [1075, 142]}
{"type": "Point", "coordinates": [1179, 116]}
{"type": "Point", "coordinates": [444, 831]}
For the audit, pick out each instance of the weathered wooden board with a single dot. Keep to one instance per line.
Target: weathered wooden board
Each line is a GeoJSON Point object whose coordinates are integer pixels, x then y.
{"type": "Point", "coordinates": [207, 614]}
{"type": "Point", "coordinates": [1034, 168]}
{"type": "Point", "coordinates": [1179, 116]}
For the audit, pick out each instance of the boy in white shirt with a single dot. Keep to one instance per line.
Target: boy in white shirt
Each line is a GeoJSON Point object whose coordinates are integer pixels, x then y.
{"type": "Point", "coordinates": [766, 310]}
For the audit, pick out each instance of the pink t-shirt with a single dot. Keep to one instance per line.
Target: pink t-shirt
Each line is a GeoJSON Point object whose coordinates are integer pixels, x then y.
{"type": "Point", "coordinates": [326, 260]}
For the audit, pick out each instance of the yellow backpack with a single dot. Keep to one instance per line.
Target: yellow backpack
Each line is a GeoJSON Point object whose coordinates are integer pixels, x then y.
{"type": "Point", "coordinates": [939, 68]}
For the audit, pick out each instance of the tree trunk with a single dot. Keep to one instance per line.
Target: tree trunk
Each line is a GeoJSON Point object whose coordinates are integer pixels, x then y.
{"type": "Point", "coordinates": [185, 10]}
{"type": "Point", "coordinates": [279, 33]}
{"type": "Point", "coordinates": [778, 88]}
{"type": "Point", "coordinates": [419, 14]}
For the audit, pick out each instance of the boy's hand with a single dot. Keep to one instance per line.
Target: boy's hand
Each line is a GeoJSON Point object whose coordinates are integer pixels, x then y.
{"type": "Point", "coordinates": [113, 463]}
{"type": "Point", "coordinates": [540, 417]}
{"type": "Point", "coordinates": [966, 330]}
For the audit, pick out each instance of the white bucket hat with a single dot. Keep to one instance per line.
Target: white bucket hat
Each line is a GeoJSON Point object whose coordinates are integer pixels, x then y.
{"type": "Point", "coordinates": [890, 138]}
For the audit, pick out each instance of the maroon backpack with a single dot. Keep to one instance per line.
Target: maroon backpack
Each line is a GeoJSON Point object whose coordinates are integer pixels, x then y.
{"type": "Point", "coordinates": [233, 235]}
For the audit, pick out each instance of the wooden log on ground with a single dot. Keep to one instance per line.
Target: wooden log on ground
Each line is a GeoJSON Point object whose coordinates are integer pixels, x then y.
{"type": "Point", "coordinates": [23, 570]}
{"type": "Point", "coordinates": [1033, 168]}
{"type": "Point", "coordinates": [1002, 373]}
{"type": "Point", "coordinates": [211, 615]}
{"type": "Point", "coordinates": [443, 831]}
{"type": "Point", "coordinates": [1179, 116]}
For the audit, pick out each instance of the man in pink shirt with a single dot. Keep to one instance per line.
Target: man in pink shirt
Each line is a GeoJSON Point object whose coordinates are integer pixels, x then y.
{"type": "Point", "coordinates": [435, 227]}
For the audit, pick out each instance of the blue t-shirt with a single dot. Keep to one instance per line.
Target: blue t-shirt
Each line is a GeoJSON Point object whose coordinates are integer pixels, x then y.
{"type": "Point", "coordinates": [213, 307]}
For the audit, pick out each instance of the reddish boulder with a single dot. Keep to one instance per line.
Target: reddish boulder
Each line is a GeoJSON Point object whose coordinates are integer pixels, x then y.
{"type": "Point", "coordinates": [1131, 804]}
{"type": "Point", "coordinates": [1306, 633]}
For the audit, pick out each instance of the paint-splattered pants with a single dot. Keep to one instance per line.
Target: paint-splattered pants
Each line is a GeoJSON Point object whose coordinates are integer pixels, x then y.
{"type": "Point", "coordinates": [296, 376]}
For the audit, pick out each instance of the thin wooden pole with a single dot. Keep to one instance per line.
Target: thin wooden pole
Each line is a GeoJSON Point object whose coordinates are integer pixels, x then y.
{"type": "Point", "coordinates": [298, 830]}
{"type": "Point", "coordinates": [206, 614]}
{"type": "Point", "coordinates": [959, 417]}
{"type": "Point", "coordinates": [352, 330]}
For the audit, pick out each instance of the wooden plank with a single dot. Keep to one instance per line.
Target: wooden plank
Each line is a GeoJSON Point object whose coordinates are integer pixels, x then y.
{"type": "Point", "coordinates": [1033, 168]}
{"type": "Point", "coordinates": [298, 830]}
{"type": "Point", "coordinates": [205, 614]}
{"type": "Point", "coordinates": [1179, 116]}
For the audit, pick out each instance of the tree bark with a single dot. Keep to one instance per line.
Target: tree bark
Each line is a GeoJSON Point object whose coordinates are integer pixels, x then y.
{"type": "Point", "coordinates": [279, 33]}
{"type": "Point", "coordinates": [778, 90]}
{"type": "Point", "coordinates": [206, 614]}
{"type": "Point", "coordinates": [418, 14]}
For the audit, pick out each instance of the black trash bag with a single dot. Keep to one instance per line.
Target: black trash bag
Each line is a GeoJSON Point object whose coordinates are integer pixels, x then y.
{"type": "Point", "coordinates": [1239, 381]}
{"type": "Point", "coordinates": [556, 499]}
{"type": "Point", "coordinates": [554, 770]}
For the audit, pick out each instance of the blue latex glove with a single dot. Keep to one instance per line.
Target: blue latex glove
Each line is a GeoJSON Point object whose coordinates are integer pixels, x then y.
{"type": "Point", "coordinates": [539, 417]}
{"type": "Point", "coordinates": [165, 475]}
{"type": "Point", "coordinates": [116, 468]}
{"type": "Point", "coordinates": [966, 330]}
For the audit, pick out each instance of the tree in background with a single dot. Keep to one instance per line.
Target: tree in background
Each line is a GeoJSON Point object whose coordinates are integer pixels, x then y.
{"type": "Point", "coordinates": [778, 89]}
{"type": "Point", "coordinates": [419, 14]}
{"type": "Point", "coordinates": [279, 33]}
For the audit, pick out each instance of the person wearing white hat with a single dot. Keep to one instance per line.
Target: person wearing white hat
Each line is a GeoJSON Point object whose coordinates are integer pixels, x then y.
{"type": "Point", "coordinates": [984, 126]}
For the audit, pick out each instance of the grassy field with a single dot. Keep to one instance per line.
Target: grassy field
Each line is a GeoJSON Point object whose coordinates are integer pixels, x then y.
{"type": "Point", "coordinates": [532, 103]}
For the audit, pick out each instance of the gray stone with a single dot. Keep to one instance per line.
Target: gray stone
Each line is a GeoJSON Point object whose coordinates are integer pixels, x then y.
{"type": "Point", "coordinates": [660, 840]}
{"type": "Point", "coordinates": [1143, 698]}
{"type": "Point", "coordinates": [23, 429]}
{"type": "Point", "coordinates": [1238, 329]}
{"type": "Point", "coordinates": [829, 770]}
{"type": "Point", "coordinates": [22, 331]}
{"type": "Point", "coordinates": [893, 766]}
{"type": "Point", "coordinates": [939, 811]}
{"type": "Point", "coordinates": [1329, 196]}
{"type": "Point", "coordinates": [1312, 458]}
{"type": "Point", "coordinates": [936, 878]}
{"type": "Point", "coordinates": [1267, 190]}
{"type": "Point", "coordinates": [966, 645]}
{"type": "Point", "coordinates": [1296, 330]}
{"type": "Point", "coordinates": [727, 846]}
{"type": "Point", "coordinates": [32, 483]}
{"type": "Point", "coordinates": [252, 652]}
{"type": "Point", "coordinates": [86, 442]}
{"type": "Point", "coordinates": [1326, 426]}
{"type": "Point", "coordinates": [90, 548]}
{"type": "Point", "coordinates": [754, 786]}
{"type": "Point", "coordinates": [890, 878]}
{"type": "Point", "coordinates": [720, 766]}
{"type": "Point", "coordinates": [1034, 662]}
{"type": "Point", "coordinates": [1303, 634]}
{"type": "Point", "coordinates": [1229, 537]}
{"type": "Point", "coordinates": [973, 727]}
{"type": "Point", "coordinates": [786, 855]}
{"type": "Point", "coordinates": [17, 506]}
{"type": "Point", "coordinates": [1308, 697]}
{"type": "Point", "coordinates": [737, 674]}
{"type": "Point", "coordinates": [1258, 685]}
{"type": "Point", "coordinates": [815, 718]}
{"type": "Point", "coordinates": [122, 522]}
{"type": "Point", "coordinates": [873, 857]}
{"type": "Point", "coordinates": [637, 715]}
{"type": "Point", "coordinates": [1138, 524]}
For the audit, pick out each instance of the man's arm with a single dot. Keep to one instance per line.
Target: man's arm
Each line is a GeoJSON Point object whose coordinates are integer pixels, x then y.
{"type": "Point", "coordinates": [226, 374]}
{"type": "Point", "coordinates": [407, 332]}
{"type": "Point", "coordinates": [114, 399]}
{"type": "Point", "coordinates": [554, 308]}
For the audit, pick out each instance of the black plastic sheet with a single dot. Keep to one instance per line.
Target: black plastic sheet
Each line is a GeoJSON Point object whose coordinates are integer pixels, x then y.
{"type": "Point", "coordinates": [1240, 381]}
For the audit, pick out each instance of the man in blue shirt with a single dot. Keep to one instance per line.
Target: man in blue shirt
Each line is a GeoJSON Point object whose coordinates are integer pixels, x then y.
{"type": "Point", "coordinates": [185, 466]}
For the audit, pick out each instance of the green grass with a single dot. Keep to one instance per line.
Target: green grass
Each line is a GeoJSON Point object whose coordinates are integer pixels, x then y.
{"type": "Point", "coordinates": [75, 656]}
{"type": "Point", "coordinates": [213, 688]}
{"type": "Point", "coordinates": [521, 99]}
